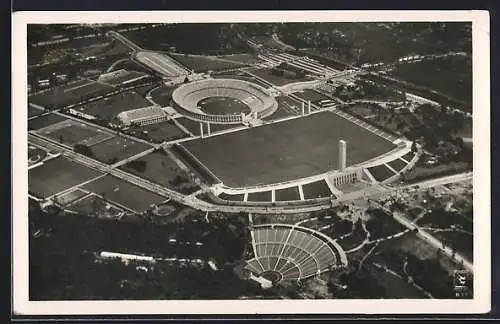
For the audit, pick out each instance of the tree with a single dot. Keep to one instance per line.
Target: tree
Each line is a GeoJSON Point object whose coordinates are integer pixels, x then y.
{"type": "Point", "coordinates": [83, 149]}
{"type": "Point", "coordinates": [139, 165]}
{"type": "Point", "coordinates": [414, 147]}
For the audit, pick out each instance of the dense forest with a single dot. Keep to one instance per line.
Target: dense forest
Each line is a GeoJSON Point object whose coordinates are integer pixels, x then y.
{"type": "Point", "coordinates": [63, 264]}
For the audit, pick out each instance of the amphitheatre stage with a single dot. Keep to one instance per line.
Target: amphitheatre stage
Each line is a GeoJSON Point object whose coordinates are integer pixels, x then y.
{"type": "Point", "coordinates": [285, 151]}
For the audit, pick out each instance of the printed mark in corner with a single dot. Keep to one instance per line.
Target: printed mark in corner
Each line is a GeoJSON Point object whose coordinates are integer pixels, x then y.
{"type": "Point", "coordinates": [462, 284]}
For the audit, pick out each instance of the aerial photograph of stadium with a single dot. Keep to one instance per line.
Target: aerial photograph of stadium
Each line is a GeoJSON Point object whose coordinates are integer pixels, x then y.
{"type": "Point", "coordinates": [235, 161]}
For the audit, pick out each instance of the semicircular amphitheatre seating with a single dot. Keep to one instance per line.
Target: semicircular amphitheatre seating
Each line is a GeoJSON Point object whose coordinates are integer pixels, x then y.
{"type": "Point", "coordinates": [293, 252]}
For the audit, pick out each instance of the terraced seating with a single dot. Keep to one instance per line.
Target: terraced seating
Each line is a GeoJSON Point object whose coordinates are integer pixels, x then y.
{"type": "Point", "coordinates": [293, 252]}
{"type": "Point", "coordinates": [255, 97]}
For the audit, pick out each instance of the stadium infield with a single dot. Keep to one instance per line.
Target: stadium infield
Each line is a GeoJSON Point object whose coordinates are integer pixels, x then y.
{"type": "Point", "coordinates": [285, 151]}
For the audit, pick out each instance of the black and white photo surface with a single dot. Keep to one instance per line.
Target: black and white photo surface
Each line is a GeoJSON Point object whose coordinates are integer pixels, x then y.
{"type": "Point", "coordinates": [258, 162]}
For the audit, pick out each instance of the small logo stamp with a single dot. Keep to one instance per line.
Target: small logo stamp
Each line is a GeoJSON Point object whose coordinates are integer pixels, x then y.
{"type": "Point", "coordinates": [462, 284]}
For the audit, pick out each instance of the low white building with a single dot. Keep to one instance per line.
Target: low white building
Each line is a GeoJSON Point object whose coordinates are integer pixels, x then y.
{"type": "Point", "coordinates": [142, 116]}
{"type": "Point", "coordinates": [126, 258]}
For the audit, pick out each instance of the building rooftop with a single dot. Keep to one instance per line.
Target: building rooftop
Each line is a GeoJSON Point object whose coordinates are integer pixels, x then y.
{"type": "Point", "coordinates": [141, 113]}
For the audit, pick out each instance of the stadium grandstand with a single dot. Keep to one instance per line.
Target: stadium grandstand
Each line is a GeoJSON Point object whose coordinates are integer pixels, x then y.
{"type": "Point", "coordinates": [142, 116]}
{"type": "Point", "coordinates": [161, 63]}
{"type": "Point", "coordinates": [188, 96]}
{"type": "Point", "coordinates": [284, 253]}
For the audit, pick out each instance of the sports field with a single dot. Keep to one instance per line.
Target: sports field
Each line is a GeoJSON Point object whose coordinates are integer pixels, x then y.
{"type": "Point", "coordinates": [70, 94]}
{"type": "Point", "coordinates": [160, 168]}
{"type": "Point", "coordinates": [124, 76]}
{"type": "Point", "coordinates": [160, 63]}
{"type": "Point", "coordinates": [286, 150]}
{"type": "Point", "coordinates": [124, 193]}
{"type": "Point", "coordinates": [267, 75]}
{"type": "Point", "coordinates": [116, 149]}
{"type": "Point", "coordinates": [57, 175]}
{"type": "Point", "coordinates": [71, 132]}
{"type": "Point", "coordinates": [223, 106]}
{"type": "Point", "coordinates": [200, 63]}
{"type": "Point", "coordinates": [109, 107]}
{"type": "Point", "coordinates": [32, 111]}
{"type": "Point", "coordinates": [158, 133]}
{"type": "Point", "coordinates": [44, 121]}
{"type": "Point", "coordinates": [314, 96]}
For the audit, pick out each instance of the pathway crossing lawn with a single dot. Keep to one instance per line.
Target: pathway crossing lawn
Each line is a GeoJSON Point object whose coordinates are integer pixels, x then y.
{"type": "Point", "coordinates": [194, 126]}
{"type": "Point", "coordinates": [44, 121]}
{"type": "Point", "coordinates": [71, 196]}
{"type": "Point", "coordinates": [116, 149]}
{"type": "Point", "coordinates": [34, 111]}
{"type": "Point", "coordinates": [314, 96]}
{"type": "Point", "coordinates": [397, 164]}
{"type": "Point", "coordinates": [278, 80]}
{"type": "Point", "coordinates": [107, 108]}
{"type": "Point", "coordinates": [160, 132]}
{"type": "Point", "coordinates": [161, 169]}
{"type": "Point", "coordinates": [124, 193]}
{"type": "Point", "coordinates": [57, 175]}
{"type": "Point", "coordinates": [72, 93]}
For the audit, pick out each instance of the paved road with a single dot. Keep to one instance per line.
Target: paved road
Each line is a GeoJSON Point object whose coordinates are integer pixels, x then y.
{"type": "Point", "coordinates": [125, 41]}
{"type": "Point", "coordinates": [400, 217]}
{"type": "Point", "coordinates": [206, 206]}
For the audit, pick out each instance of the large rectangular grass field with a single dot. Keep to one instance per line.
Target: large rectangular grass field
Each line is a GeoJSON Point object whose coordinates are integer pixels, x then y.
{"type": "Point", "coordinates": [286, 150]}
{"type": "Point", "coordinates": [124, 193]}
{"type": "Point", "coordinates": [57, 175]}
{"type": "Point", "coordinates": [116, 149]}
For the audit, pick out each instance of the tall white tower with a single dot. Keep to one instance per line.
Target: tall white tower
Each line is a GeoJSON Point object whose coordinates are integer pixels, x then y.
{"type": "Point", "coordinates": [342, 155]}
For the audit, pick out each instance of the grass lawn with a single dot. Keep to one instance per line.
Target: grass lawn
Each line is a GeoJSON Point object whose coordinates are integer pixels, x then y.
{"type": "Point", "coordinates": [160, 168]}
{"type": "Point", "coordinates": [44, 121]}
{"type": "Point", "coordinates": [124, 193]}
{"type": "Point", "coordinates": [109, 107]}
{"type": "Point", "coordinates": [318, 189]}
{"type": "Point", "coordinates": [276, 79]}
{"type": "Point", "coordinates": [158, 133]}
{"type": "Point", "coordinates": [286, 150]}
{"type": "Point", "coordinates": [287, 194]}
{"type": "Point", "coordinates": [116, 149]}
{"type": "Point", "coordinates": [57, 175]}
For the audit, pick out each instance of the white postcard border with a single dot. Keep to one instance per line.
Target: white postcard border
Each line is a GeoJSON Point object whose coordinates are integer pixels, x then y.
{"type": "Point", "coordinates": [481, 180]}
